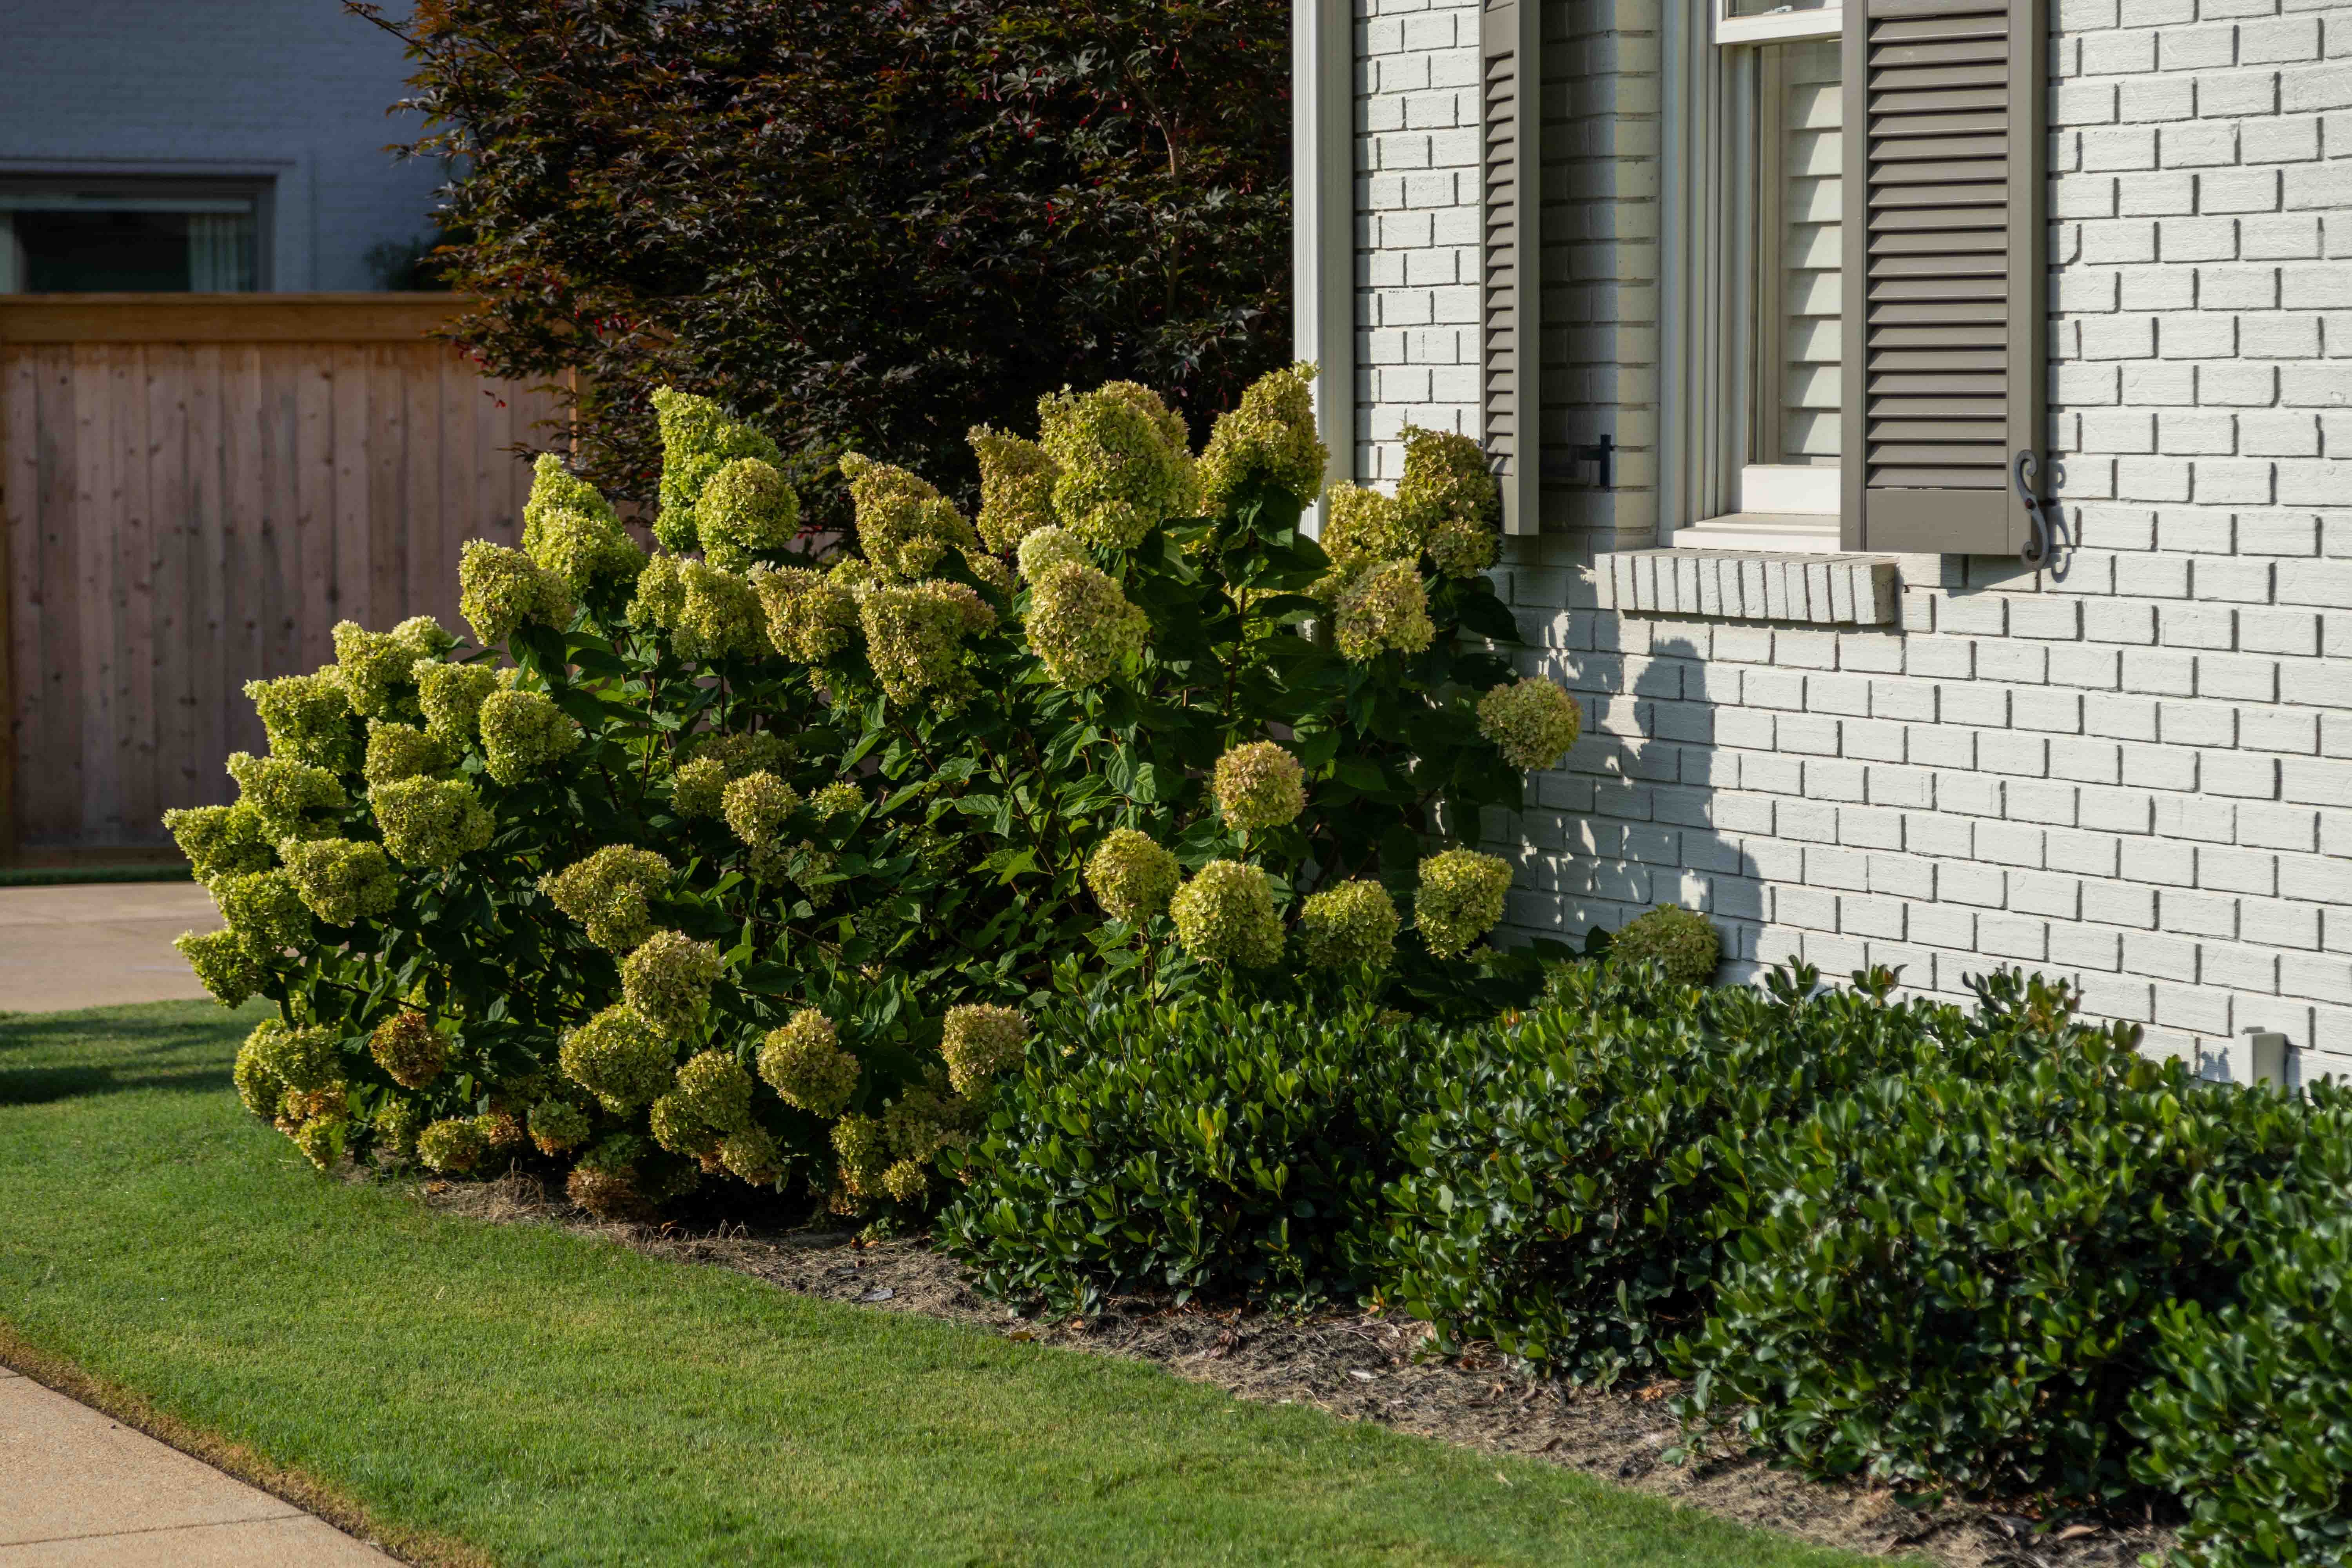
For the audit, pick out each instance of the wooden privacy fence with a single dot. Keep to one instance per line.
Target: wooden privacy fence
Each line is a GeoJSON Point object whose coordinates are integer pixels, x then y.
{"type": "Point", "coordinates": [195, 489]}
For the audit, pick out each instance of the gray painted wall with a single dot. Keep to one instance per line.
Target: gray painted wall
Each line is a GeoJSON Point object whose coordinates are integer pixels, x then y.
{"type": "Point", "coordinates": [295, 90]}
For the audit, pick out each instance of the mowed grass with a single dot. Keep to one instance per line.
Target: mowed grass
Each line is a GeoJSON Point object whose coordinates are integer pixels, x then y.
{"type": "Point", "coordinates": [547, 1399]}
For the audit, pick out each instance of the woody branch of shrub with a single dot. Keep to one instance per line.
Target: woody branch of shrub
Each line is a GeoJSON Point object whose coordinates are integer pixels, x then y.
{"type": "Point", "coordinates": [731, 861]}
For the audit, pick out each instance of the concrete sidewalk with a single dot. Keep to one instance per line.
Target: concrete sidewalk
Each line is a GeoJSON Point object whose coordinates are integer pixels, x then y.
{"type": "Point", "coordinates": [79, 1490]}
{"type": "Point", "coordinates": [92, 945]}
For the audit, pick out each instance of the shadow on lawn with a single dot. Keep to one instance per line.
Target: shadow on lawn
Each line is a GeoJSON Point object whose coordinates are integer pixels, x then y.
{"type": "Point", "coordinates": [66, 1055]}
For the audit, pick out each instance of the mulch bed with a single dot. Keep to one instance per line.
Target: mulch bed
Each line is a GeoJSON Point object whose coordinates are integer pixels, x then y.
{"type": "Point", "coordinates": [1364, 1367]}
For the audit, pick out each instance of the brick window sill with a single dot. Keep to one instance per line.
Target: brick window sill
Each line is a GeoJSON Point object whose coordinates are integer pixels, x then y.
{"type": "Point", "coordinates": [1750, 586]}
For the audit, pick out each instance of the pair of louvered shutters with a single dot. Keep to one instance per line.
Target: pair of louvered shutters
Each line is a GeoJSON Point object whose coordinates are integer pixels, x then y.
{"type": "Point", "coordinates": [1942, 337]}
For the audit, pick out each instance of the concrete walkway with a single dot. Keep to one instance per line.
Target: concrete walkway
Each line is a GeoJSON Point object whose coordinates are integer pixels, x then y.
{"type": "Point", "coordinates": [79, 1490]}
{"type": "Point", "coordinates": [92, 945]}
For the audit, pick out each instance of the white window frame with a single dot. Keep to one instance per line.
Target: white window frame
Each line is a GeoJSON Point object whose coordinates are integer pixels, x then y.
{"type": "Point", "coordinates": [1710, 496]}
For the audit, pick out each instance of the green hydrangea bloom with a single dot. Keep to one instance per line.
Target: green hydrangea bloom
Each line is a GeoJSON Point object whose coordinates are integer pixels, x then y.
{"type": "Point", "coordinates": [260, 1089]}
{"type": "Point", "coordinates": [678, 1131]}
{"type": "Point", "coordinates": [905, 527]}
{"type": "Point", "coordinates": [1270, 437]}
{"type": "Point", "coordinates": [570, 530]}
{"type": "Point", "coordinates": [265, 910]}
{"type": "Point", "coordinates": [424, 636]}
{"type": "Point", "coordinates": [451, 695]}
{"type": "Point", "coordinates": [307, 719]}
{"type": "Point", "coordinates": [1531, 722]}
{"type": "Point", "coordinates": [500, 589]}
{"type": "Point", "coordinates": [914, 637]}
{"type": "Point", "coordinates": [1355, 922]}
{"type": "Point", "coordinates": [453, 1146]}
{"type": "Point", "coordinates": [1460, 899]}
{"type": "Point", "coordinates": [804, 1063]}
{"type": "Point", "coordinates": [1461, 548]}
{"type": "Point", "coordinates": [1016, 486]}
{"type": "Point", "coordinates": [1363, 528]}
{"type": "Point", "coordinates": [523, 731]}
{"type": "Point", "coordinates": [321, 1139]}
{"type": "Point", "coordinates": [747, 509]}
{"type": "Point", "coordinates": [750, 1155]}
{"type": "Point", "coordinates": [376, 669]}
{"type": "Point", "coordinates": [430, 822]}
{"type": "Point", "coordinates": [1258, 785]}
{"type": "Point", "coordinates": [756, 805]}
{"type": "Point", "coordinates": [862, 1152]}
{"type": "Point", "coordinates": [1446, 479]}
{"type": "Point", "coordinates": [713, 1089]}
{"type": "Point", "coordinates": [220, 840]}
{"type": "Point", "coordinates": [303, 1060]}
{"type": "Point", "coordinates": [340, 880]}
{"type": "Point", "coordinates": [620, 1057]}
{"type": "Point", "coordinates": [1131, 876]}
{"type": "Point", "coordinates": [222, 963]}
{"type": "Point", "coordinates": [396, 1126]}
{"type": "Point", "coordinates": [1386, 607]}
{"type": "Point", "coordinates": [667, 978]}
{"type": "Point", "coordinates": [709, 613]}
{"type": "Point", "coordinates": [1680, 940]}
{"type": "Point", "coordinates": [557, 1125]}
{"type": "Point", "coordinates": [608, 893]}
{"type": "Point", "coordinates": [698, 440]}
{"type": "Point", "coordinates": [697, 788]}
{"type": "Point", "coordinates": [1082, 626]}
{"type": "Point", "coordinates": [407, 1046]}
{"type": "Point", "coordinates": [979, 1040]}
{"type": "Point", "coordinates": [812, 614]}
{"type": "Point", "coordinates": [836, 799]}
{"type": "Point", "coordinates": [906, 1180]}
{"type": "Point", "coordinates": [396, 752]}
{"type": "Point", "coordinates": [1123, 461]}
{"type": "Point", "coordinates": [660, 598]}
{"type": "Point", "coordinates": [922, 1122]}
{"type": "Point", "coordinates": [282, 794]}
{"type": "Point", "coordinates": [1225, 914]}
{"type": "Point", "coordinates": [1049, 549]}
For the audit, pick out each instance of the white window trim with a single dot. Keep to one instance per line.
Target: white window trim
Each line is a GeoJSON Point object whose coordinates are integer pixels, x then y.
{"type": "Point", "coordinates": [1708, 496]}
{"type": "Point", "coordinates": [1323, 222]}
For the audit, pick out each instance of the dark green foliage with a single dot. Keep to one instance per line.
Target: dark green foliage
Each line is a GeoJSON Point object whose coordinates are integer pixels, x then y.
{"type": "Point", "coordinates": [1952, 1275]}
{"type": "Point", "coordinates": [1559, 1193]}
{"type": "Point", "coordinates": [1215, 1147]}
{"type": "Point", "coordinates": [2250, 1419]}
{"type": "Point", "coordinates": [860, 219]}
{"type": "Point", "coordinates": [1681, 941]}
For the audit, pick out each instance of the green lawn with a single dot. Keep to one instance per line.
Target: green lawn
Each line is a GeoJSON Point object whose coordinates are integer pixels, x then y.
{"type": "Point", "coordinates": [552, 1400]}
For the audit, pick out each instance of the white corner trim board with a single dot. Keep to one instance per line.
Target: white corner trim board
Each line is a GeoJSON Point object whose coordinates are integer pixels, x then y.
{"type": "Point", "coordinates": [1753, 585]}
{"type": "Point", "coordinates": [1323, 230]}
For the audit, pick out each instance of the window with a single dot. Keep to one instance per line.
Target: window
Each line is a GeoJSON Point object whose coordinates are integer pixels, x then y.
{"type": "Point", "coordinates": [1852, 318]}
{"type": "Point", "coordinates": [68, 236]}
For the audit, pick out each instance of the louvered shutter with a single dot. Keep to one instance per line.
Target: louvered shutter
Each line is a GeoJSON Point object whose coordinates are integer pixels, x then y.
{"type": "Point", "coordinates": [1943, 331]}
{"type": "Point", "coordinates": [1507, 284]}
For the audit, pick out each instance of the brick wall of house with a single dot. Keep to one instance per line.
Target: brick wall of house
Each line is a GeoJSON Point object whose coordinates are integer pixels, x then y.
{"type": "Point", "coordinates": [2134, 770]}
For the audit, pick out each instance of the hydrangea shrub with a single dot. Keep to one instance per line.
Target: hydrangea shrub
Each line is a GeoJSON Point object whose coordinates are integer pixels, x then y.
{"type": "Point", "coordinates": [747, 857]}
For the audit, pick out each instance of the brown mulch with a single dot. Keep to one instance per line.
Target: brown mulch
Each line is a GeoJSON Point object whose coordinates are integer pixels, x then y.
{"type": "Point", "coordinates": [1366, 1368]}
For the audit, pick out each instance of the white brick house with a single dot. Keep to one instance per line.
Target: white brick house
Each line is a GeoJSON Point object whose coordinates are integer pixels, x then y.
{"type": "Point", "coordinates": [2130, 764]}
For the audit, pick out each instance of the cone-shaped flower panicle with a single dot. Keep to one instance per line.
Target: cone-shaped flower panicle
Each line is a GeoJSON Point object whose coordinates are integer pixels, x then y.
{"type": "Point", "coordinates": [713, 1089]}
{"type": "Point", "coordinates": [1682, 941]}
{"type": "Point", "coordinates": [979, 1040]}
{"type": "Point", "coordinates": [914, 637]}
{"type": "Point", "coordinates": [1016, 486]}
{"type": "Point", "coordinates": [698, 788]}
{"type": "Point", "coordinates": [1082, 626]}
{"type": "Point", "coordinates": [811, 615]}
{"type": "Point", "coordinates": [287, 798]}
{"type": "Point", "coordinates": [451, 695]}
{"type": "Point", "coordinates": [748, 510]}
{"type": "Point", "coordinates": [1258, 785]}
{"type": "Point", "coordinates": [756, 807]}
{"type": "Point", "coordinates": [1270, 438]}
{"type": "Point", "coordinates": [410, 1048]}
{"type": "Point", "coordinates": [523, 731]}
{"type": "Point", "coordinates": [1363, 528]}
{"type": "Point", "coordinates": [905, 527]}
{"type": "Point", "coordinates": [264, 909]}
{"type": "Point", "coordinates": [570, 529]}
{"type": "Point", "coordinates": [558, 1125]}
{"type": "Point", "coordinates": [340, 880]}
{"type": "Point", "coordinates": [454, 1146]}
{"type": "Point", "coordinates": [307, 719]}
{"type": "Point", "coordinates": [1460, 899]}
{"type": "Point", "coordinates": [1355, 922]}
{"type": "Point", "coordinates": [430, 822]}
{"type": "Point", "coordinates": [500, 589]}
{"type": "Point", "coordinates": [222, 963]}
{"type": "Point", "coordinates": [804, 1063]}
{"type": "Point", "coordinates": [260, 1089]}
{"type": "Point", "coordinates": [1131, 876]}
{"type": "Point", "coordinates": [396, 752]}
{"type": "Point", "coordinates": [698, 440]}
{"type": "Point", "coordinates": [608, 893]}
{"type": "Point", "coordinates": [1384, 608]}
{"type": "Point", "coordinates": [750, 1155]}
{"type": "Point", "coordinates": [1446, 479]}
{"type": "Point", "coordinates": [667, 978]}
{"type": "Point", "coordinates": [619, 1058]}
{"type": "Point", "coordinates": [862, 1153]}
{"type": "Point", "coordinates": [1531, 722]}
{"type": "Point", "coordinates": [1124, 462]}
{"type": "Point", "coordinates": [220, 840]}
{"type": "Point", "coordinates": [305, 1058]}
{"type": "Point", "coordinates": [378, 670]}
{"type": "Point", "coordinates": [1225, 914]}
{"type": "Point", "coordinates": [1050, 548]}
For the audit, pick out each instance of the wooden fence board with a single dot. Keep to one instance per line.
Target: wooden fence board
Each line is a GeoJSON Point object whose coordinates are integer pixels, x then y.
{"type": "Point", "coordinates": [192, 493]}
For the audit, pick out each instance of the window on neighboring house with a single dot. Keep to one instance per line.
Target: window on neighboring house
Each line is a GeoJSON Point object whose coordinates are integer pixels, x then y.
{"type": "Point", "coordinates": [69, 235]}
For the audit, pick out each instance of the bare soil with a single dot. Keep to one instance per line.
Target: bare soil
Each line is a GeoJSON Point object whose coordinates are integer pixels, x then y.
{"type": "Point", "coordinates": [1364, 1367]}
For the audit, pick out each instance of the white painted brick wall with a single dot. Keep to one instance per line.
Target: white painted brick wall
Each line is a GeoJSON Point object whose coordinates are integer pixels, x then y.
{"type": "Point", "coordinates": [2136, 770]}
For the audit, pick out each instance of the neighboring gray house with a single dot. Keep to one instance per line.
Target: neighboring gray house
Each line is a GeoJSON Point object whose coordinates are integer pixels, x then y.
{"type": "Point", "coordinates": [169, 146]}
{"type": "Point", "coordinates": [1826, 700]}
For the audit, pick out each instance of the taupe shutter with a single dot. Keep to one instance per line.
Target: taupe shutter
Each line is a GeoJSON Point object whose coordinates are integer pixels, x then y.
{"type": "Point", "coordinates": [1943, 332]}
{"type": "Point", "coordinates": [1509, 284]}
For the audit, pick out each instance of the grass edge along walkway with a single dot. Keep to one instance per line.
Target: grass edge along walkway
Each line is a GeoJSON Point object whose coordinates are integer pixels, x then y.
{"type": "Point", "coordinates": [474, 1394]}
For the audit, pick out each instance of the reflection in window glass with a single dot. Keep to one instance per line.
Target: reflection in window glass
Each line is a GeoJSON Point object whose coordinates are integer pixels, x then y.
{"type": "Point", "coordinates": [65, 242]}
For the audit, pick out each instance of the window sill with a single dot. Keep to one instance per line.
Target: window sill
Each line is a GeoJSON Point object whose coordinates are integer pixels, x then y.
{"type": "Point", "coordinates": [1751, 584]}
{"type": "Point", "coordinates": [1783, 534]}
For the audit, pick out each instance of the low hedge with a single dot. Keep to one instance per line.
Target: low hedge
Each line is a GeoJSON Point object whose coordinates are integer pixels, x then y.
{"type": "Point", "coordinates": [1989, 1248]}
